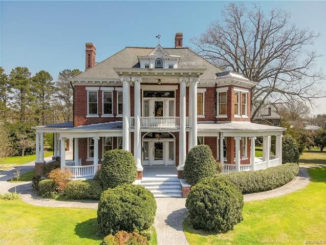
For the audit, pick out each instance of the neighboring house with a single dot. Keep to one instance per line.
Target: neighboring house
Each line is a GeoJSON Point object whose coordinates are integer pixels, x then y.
{"type": "Point", "coordinates": [268, 114]}
{"type": "Point", "coordinates": [158, 103]}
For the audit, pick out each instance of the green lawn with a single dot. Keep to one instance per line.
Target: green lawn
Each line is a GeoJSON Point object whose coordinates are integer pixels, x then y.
{"type": "Point", "coordinates": [313, 157]}
{"type": "Point", "coordinates": [28, 176]}
{"type": "Point", "coordinates": [293, 219]}
{"type": "Point", "coordinates": [259, 151]}
{"type": "Point", "coordinates": [21, 223]}
{"type": "Point", "coordinates": [19, 160]}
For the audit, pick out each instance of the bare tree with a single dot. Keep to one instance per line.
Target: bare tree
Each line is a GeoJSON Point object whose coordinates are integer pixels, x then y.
{"type": "Point", "coordinates": [266, 49]}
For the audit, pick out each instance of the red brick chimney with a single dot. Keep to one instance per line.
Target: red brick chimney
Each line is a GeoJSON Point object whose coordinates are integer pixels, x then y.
{"type": "Point", "coordinates": [178, 40]}
{"type": "Point", "coordinates": [90, 56]}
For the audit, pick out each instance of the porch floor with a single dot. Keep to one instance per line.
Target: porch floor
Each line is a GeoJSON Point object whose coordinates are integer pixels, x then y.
{"type": "Point", "coordinates": [160, 171]}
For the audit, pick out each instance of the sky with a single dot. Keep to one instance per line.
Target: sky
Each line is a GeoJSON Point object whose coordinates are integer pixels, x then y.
{"type": "Point", "coordinates": [51, 36]}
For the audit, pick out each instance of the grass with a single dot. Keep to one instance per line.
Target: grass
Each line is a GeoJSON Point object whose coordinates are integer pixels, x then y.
{"type": "Point", "coordinates": [28, 176]}
{"type": "Point", "coordinates": [259, 151]}
{"type": "Point", "coordinates": [313, 157]}
{"type": "Point", "coordinates": [22, 223]}
{"type": "Point", "coordinates": [19, 160]}
{"type": "Point", "coordinates": [293, 219]}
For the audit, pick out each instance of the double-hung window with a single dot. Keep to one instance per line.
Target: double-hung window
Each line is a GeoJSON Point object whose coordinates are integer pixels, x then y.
{"type": "Point", "coordinates": [107, 144]}
{"type": "Point", "coordinates": [244, 148]}
{"type": "Point", "coordinates": [236, 100]}
{"type": "Point", "coordinates": [200, 140]}
{"type": "Point", "coordinates": [222, 102]}
{"type": "Point", "coordinates": [244, 102]}
{"type": "Point", "coordinates": [119, 102]}
{"type": "Point", "coordinates": [90, 148]}
{"type": "Point", "coordinates": [92, 101]}
{"type": "Point", "coordinates": [119, 142]}
{"type": "Point", "coordinates": [240, 102]}
{"type": "Point", "coordinates": [201, 103]}
{"type": "Point", "coordinates": [107, 98]}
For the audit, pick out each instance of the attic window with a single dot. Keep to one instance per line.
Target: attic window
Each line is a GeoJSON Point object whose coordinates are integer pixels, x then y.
{"type": "Point", "coordinates": [158, 63]}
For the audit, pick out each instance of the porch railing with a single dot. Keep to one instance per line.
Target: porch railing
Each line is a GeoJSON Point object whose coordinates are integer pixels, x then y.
{"type": "Point", "coordinates": [85, 171]}
{"type": "Point", "coordinates": [259, 164]}
{"type": "Point", "coordinates": [159, 122]}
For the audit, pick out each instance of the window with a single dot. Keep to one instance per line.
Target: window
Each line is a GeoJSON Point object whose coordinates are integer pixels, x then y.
{"type": "Point", "coordinates": [92, 102]}
{"type": "Point", "coordinates": [146, 65]}
{"type": "Point", "coordinates": [158, 63]}
{"type": "Point", "coordinates": [119, 142]}
{"type": "Point", "coordinates": [119, 103]}
{"type": "Point", "coordinates": [236, 103]}
{"type": "Point", "coordinates": [90, 144]}
{"type": "Point", "coordinates": [243, 104]}
{"type": "Point", "coordinates": [243, 143]}
{"type": "Point", "coordinates": [107, 144]}
{"type": "Point", "coordinates": [200, 140]}
{"type": "Point", "coordinates": [107, 103]}
{"type": "Point", "coordinates": [222, 102]}
{"type": "Point", "coordinates": [170, 66]}
{"type": "Point", "coordinates": [200, 104]}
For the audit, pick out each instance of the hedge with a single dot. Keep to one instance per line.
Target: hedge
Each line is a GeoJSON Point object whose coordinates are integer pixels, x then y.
{"type": "Point", "coordinates": [118, 168]}
{"type": "Point", "coordinates": [83, 189]}
{"type": "Point", "coordinates": [126, 207]}
{"type": "Point", "coordinates": [263, 180]}
{"type": "Point", "coordinates": [46, 188]}
{"type": "Point", "coordinates": [199, 164]}
{"type": "Point", "coordinates": [214, 204]}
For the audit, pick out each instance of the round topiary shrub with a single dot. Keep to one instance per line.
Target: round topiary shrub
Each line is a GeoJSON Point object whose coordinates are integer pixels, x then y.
{"type": "Point", "coordinates": [199, 164]}
{"type": "Point", "coordinates": [83, 189]}
{"type": "Point", "coordinates": [118, 167]}
{"type": "Point", "coordinates": [290, 151]}
{"type": "Point", "coordinates": [46, 188]}
{"type": "Point", "coordinates": [126, 207]}
{"type": "Point", "coordinates": [214, 204]}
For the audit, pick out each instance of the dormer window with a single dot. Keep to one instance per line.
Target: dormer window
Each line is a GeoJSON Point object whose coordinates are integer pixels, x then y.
{"type": "Point", "coordinates": [158, 63]}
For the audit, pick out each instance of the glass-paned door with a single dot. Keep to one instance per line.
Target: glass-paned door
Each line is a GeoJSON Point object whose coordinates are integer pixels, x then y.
{"type": "Point", "coordinates": [158, 151]}
{"type": "Point", "coordinates": [158, 109]}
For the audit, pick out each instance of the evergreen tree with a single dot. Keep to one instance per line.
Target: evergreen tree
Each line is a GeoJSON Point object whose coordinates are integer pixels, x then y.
{"type": "Point", "coordinates": [4, 90]}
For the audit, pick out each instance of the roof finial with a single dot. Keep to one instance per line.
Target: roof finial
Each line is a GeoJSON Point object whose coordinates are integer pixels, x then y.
{"type": "Point", "coordinates": [158, 38]}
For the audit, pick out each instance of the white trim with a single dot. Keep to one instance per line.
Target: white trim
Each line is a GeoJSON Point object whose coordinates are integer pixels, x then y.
{"type": "Point", "coordinates": [92, 88]}
{"type": "Point", "coordinates": [107, 89]}
{"type": "Point", "coordinates": [224, 89]}
{"type": "Point", "coordinates": [87, 105]}
{"type": "Point", "coordinates": [112, 101]}
{"type": "Point", "coordinates": [246, 106]}
{"type": "Point", "coordinates": [159, 87]}
{"type": "Point", "coordinates": [118, 89]}
{"type": "Point", "coordinates": [201, 90]}
{"type": "Point", "coordinates": [241, 90]}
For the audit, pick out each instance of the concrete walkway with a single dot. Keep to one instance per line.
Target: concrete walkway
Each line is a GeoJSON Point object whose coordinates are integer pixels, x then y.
{"type": "Point", "coordinates": [170, 211]}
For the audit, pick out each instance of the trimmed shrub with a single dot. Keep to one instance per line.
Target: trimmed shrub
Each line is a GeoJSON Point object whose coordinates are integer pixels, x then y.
{"type": "Point", "coordinates": [263, 180]}
{"type": "Point", "coordinates": [9, 196]}
{"type": "Point", "coordinates": [199, 164]}
{"type": "Point", "coordinates": [118, 168]}
{"type": "Point", "coordinates": [290, 151]}
{"type": "Point", "coordinates": [214, 204]}
{"type": "Point", "coordinates": [60, 177]}
{"type": "Point", "coordinates": [83, 189]}
{"type": "Point", "coordinates": [126, 207]}
{"type": "Point", "coordinates": [48, 167]}
{"type": "Point", "coordinates": [46, 188]}
{"type": "Point", "coordinates": [125, 238]}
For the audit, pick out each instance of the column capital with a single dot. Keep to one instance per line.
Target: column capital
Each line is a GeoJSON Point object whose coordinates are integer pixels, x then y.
{"type": "Point", "coordinates": [136, 79]}
{"type": "Point", "coordinates": [96, 138]}
{"type": "Point", "coordinates": [253, 137]}
{"type": "Point", "coordinates": [237, 138]}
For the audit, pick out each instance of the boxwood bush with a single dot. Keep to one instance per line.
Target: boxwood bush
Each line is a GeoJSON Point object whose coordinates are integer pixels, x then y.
{"type": "Point", "coordinates": [126, 207]}
{"type": "Point", "coordinates": [214, 204]}
{"type": "Point", "coordinates": [290, 150]}
{"type": "Point", "coordinates": [199, 164]}
{"type": "Point", "coordinates": [263, 180]}
{"type": "Point", "coordinates": [118, 168]}
{"type": "Point", "coordinates": [83, 189]}
{"type": "Point", "coordinates": [46, 187]}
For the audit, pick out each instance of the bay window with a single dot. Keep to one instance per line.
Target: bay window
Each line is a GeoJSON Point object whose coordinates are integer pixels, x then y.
{"type": "Point", "coordinates": [236, 100]}
{"type": "Point", "coordinates": [244, 107]}
{"type": "Point", "coordinates": [222, 102]}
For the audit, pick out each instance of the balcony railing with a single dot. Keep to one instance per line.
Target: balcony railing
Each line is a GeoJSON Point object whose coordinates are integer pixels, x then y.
{"type": "Point", "coordinates": [85, 171]}
{"type": "Point", "coordinates": [159, 122]}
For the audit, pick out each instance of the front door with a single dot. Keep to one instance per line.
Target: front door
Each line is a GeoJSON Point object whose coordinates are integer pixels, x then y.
{"type": "Point", "coordinates": [158, 151]}
{"type": "Point", "coordinates": [158, 109]}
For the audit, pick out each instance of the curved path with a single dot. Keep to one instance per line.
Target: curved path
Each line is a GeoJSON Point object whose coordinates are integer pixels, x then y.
{"type": "Point", "coordinates": [170, 211]}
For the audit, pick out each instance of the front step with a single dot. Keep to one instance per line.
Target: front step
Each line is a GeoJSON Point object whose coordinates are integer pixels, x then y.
{"type": "Point", "coordinates": [163, 187]}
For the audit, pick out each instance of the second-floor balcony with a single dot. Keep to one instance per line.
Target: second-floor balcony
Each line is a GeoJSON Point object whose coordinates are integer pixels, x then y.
{"type": "Point", "coordinates": [158, 122]}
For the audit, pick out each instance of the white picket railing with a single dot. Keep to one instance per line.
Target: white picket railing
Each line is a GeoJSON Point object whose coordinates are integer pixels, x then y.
{"type": "Point", "coordinates": [85, 171]}
{"type": "Point", "coordinates": [158, 122]}
{"type": "Point", "coordinates": [258, 165]}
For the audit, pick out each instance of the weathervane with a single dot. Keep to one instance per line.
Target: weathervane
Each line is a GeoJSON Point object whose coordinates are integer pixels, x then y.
{"type": "Point", "coordinates": [158, 38]}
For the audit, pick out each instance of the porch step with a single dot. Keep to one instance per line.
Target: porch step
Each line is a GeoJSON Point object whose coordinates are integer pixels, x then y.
{"type": "Point", "coordinates": [163, 187]}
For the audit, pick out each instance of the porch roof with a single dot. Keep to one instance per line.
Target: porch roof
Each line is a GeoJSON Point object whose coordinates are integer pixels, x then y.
{"type": "Point", "coordinates": [239, 128]}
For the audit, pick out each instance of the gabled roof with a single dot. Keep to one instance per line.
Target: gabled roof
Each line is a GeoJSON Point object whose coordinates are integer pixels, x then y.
{"type": "Point", "coordinates": [128, 58]}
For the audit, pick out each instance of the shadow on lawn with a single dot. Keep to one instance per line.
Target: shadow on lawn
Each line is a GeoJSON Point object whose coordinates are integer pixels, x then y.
{"type": "Point", "coordinates": [318, 174]}
{"type": "Point", "coordinates": [88, 229]}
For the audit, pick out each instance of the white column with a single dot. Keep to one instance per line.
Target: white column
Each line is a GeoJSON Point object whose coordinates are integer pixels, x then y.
{"type": "Point", "coordinates": [237, 153]}
{"type": "Point", "coordinates": [222, 152]}
{"type": "Point", "coordinates": [37, 146]}
{"type": "Point", "coordinates": [76, 152]}
{"type": "Point", "coordinates": [41, 147]}
{"type": "Point", "coordinates": [193, 113]}
{"type": "Point", "coordinates": [137, 135]}
{"type": "Point", "coordinates": [252, 152]}
{"type": "Point", "coordinates": [126, 115]}
{"type": "Point", "coordinates": [278, 148]}
{"type": "Point", "coordinates": [182, 133]}
{"type": "Point", "coordinates": [267, 149]}
{"type": "Point", "coordinates": [165, 152]}
{"type": "Point", "coordinates": [62, 153]}
{"type": "Point", "coordinates": [54, 145]}
{"type": "Point", "coordinates": [95, 159]}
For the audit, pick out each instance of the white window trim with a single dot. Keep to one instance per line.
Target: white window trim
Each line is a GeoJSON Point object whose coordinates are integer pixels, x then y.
{"type": "Point", "coordinates": [88, 145]}
{"type": "Point", "coordinates": [201, 91]}
{"type": "Point", "coordinates": [92, 89]}
{"type": "Point", "coordinates": [103, 140]}
{"type": "Point", "coordinates": [238, 114]}
{"type": "Point", "coordinates": [218, 91]}
{"type": "Point", "coordinates": [106, 90]}
{"type": "Point", "coordinates": [117, 100]}
{"type": "Point", "coordinates": [246, 112]}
